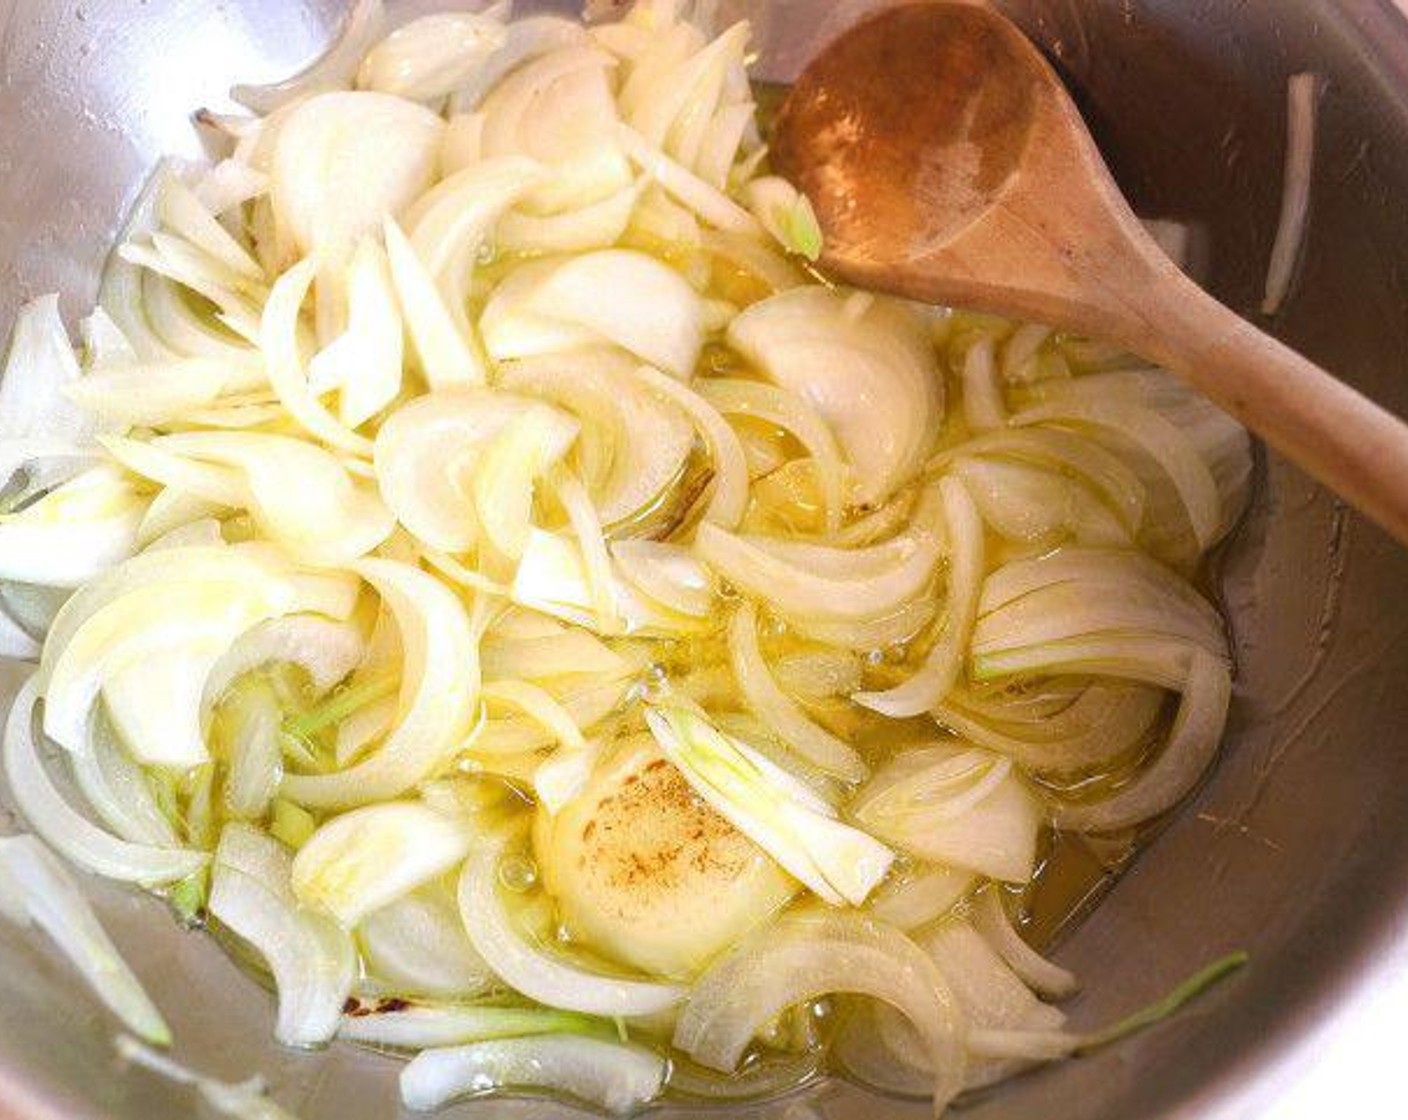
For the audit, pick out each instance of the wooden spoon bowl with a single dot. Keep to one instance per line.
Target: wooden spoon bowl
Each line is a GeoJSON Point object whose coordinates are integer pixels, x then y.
{"type": "Point", "coordinates": [948, 164]}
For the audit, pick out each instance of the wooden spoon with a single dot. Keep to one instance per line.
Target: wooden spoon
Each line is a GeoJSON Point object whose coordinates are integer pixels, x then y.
{"type": "Point", "coordinates": [947, 164]}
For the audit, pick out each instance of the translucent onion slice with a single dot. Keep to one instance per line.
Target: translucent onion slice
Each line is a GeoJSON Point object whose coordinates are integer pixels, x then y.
{"type": "Point", "coordinates": [180, 211]}
{"type": "Point", "coordinates": [423, 1026]}
{"type": "Point", "coordinates": [991, 921]}
{"type": "Point", "coordinates": [616, 296]}
{"type": "Point", "coordinates": [915, 896]}
{"type": "Point", "coordinates": [506, 475]}
{"type": "Point", "coordinates": [869, 369]}
{"type": "Point", "coordinates": [944, 661]}
{"type": "Point", "coordinates": [788, 411]}
{"type": "Point", "coordinates": [34, 406]}
{"type": "Point", "coordinates": [300, 495]}
{"type": "Point", "coordinates": [597, 225]}
{"type": "Point", "coordinates": [1102, 595]}
{"type": "Point", "coordinates": [364, 363]}
{"type": "Point", "coordinates": [774, 809]}
{"type": "Point", "coordinates": [532, 970]}
{"type": "Point", "coordinates": [312, 960]}
{"type": "Point", "coordinates": [1100, 721]}
{"type": "Point", "coordinates": [1192, 745]}
{"type": "Point", "coordinates": [341, 162]}
{"type": "Point", "coordinates": [710, 204]}
{"type": "Point", "coordinates": [809, 955]}
{"type": "Point", "coordinates": [669, 574]}
{"type": "Point", "coordinates": [117, 789]}
{"type": "Point", "coordinates": [729, 498]}
{"type": "Point", "coordinates": [450, 224]}
{"type": "Point", "coordinates": [983, 406]}
{"type": "Point", "coordinates": [150, 394]}
{"type": "Point", "coordinates": [326, 650]}
{"type": "Point", "coordinates": [360, 861]}
{"type": "Point", "coordinates": [417, 946]}
{"type": "Point", "coordinates": [526, 39]}
{"type": "Point", "coordinates": [614, 1076]}
{"type": "Point", "coordinates": [633, 445]}
{"type": "Point", "coordinates": [777, 710]}
{"type": "Point", "coordinates": [279, 339]}
{"type": "Point", "coordinates": [1168, 446]}
{"type": "Point", "coordinates": [427, 454]}
{"type": "Point", "coordinates": [35, 888]}
{"type": "Point", "coordinates": [879, 581]}
{"type": "Point", "coordinates": [430, 57]}
{"type": "Point", "coordinates": [333, 70]}
{"type": "Point", "coordinates": [558, 110]}
{"type": "Point", "coordinates": [439, 694]}
{"type": "Point", "coordinates": [954, 805]}
{"type": "Point", "coordinates": [74, 533]}
{"type": "Point", "coordinates": [560, 650]}
{"type": "Point", "coordinates": [65, 830]}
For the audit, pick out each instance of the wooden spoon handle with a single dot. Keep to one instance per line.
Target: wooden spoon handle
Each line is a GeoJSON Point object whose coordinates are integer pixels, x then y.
{"type": "Point", "coordinates": [1332, 432]}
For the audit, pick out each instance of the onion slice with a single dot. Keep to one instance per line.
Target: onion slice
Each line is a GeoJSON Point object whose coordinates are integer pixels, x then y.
{"type": "Point", "coordinates": [614, 1076]}
{"type": "Point", "coordinates": [35, 888]}
{"type": "Point", "coordinates": [531, 970]}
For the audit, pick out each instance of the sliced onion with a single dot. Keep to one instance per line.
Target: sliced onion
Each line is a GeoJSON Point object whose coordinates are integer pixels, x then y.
{"type": "Point", "coordinates": [809, 955]}
{"type": "Point", "coordinates": [417, 946]}
{"type": "Point", "coordinates": [991, 921]}
{"type": "Point", "coordinates": [279, 340]}
{"type": "Point", "coordinates": [74, 533]}
{"type": "Point", "coordinates": [440, 692]}
{"type": "Point", "coordinates": [729, 498]}
{"type": "Point", "coordinates": [1168, 446]}
{"type": "Point", "coordinates": [333, 70]}
{"type": "Point", "coordinates": [1302, 97]}
{"type": "Point", "coordinates": [1192, 745]}
{"type": "Point", "coordinates": [526, 39]}
{"type": "Point", "coordinates": [699, 197]}
{"type": "Point", "coordinates": [872, 376]}
{"type": "Point", "coordinates": [531, 970]}
{"type": "Point", "coordinates": [181, 212]}
{"type": "Point", "coordinates": [117, 789]}
{"type": "Point", "coordinates": [505, 477]}
{"type": "Point", "coordinates": [69, 833]}
{"type": "Point", "coordinates": [559, 651]}
{"type": "Point", "coordinates": [360, 861]}
{"type": "Point", "coordinates": [875, 582]}
{"type": "Point", "coordinates": [786, 410]}
{"type": "Point", "coordinates": [301, 496]}
{"type": "Point", "coordinates": [342, 162]}
{"type": "Point", "coordinates": [983, 406]}
{"type": "Point", "coordinates": [944, 661]}
{"type": "Point", "coordinates": [617, 296]}
{"type": "Point", "coordinates": [613, 1076]}
{"type": "Point", "coordinates": [423, 1026]}
{"type": "Point", "coordinates": [430, 57]}
{"type": "Point", "coordinates": [450, 224]}
{"type": "Point", "coordinates": [326, 650]}
{"type": "Point", "coordinates": [669, 574]}
{"type": "Point", "coordinates": [597, 225]}
{"type": "Point", "coordinates": [916, 896]}
{"type": "Point", "coordinates": [558, 110]}
{"type": "Point", "coordinates": [312, 960]}
{"type": "Point", "coordinates": [1099, 721]}
{"type": "Point", "coordinates": [364, 363]}
{"type": "Point", "coordinates": [427, 455]}
{"type": "Point", "coordinates": [36, 888]}
{"type": "Point", "coordinates": [772, 807]}
{"type": "Point", "coordinates": [255, 760]}
{"type": "Point", "coordinates": [777, 710]}
{"type": "Point", "coordinates": [954, 805]}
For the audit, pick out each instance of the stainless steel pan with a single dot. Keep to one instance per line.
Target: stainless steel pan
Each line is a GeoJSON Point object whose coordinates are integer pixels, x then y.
{"type": "Point", "coordinates": [1298, 847]}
